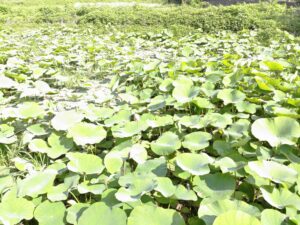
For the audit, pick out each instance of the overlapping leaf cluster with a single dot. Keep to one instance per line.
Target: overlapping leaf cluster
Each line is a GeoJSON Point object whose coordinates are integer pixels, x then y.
{"type": "Point", "coordinates": [202, 130]}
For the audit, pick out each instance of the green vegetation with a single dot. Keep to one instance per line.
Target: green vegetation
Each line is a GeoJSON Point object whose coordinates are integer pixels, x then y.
{"type": "Point", "coordinates": [179, 19]}
{"type": "Point", "coordinates": [135, 116]}
{"type": "Point", "coordinates": [198, 130]}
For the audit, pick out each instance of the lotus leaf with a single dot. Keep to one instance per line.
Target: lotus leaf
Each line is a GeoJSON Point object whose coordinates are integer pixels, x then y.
{"type": "Point", "coordinates": [274, 171]}
{"type": "Point", "coordinates": [66, 119]}
{"type": "Point", "coordinates": [196, 141]}
{"type": "Point", "coordinates": [94, 113]}
{"type": "Point", "coordinates": [37, 183]}
{"type": "Point", "coordinates": [121, 117]}
{"type": "Point", "coordinates": [75, 211]}
{"type": "Point", "coordinates": [166, 144]}
{"type": "Point", "coordinates": [209, 210]}
{"type": "Point", "coordinates": [29, 110]}
{"type": "Point", "coordinates": [146, 214]}
{"type": "Point", "coordinates": [38, 129]}
{"type": "Point", "coordinates": [185, 194]}
{"type": "Point", "coordinates": [48, 213]}
{"type": "Point", "coordinates": [84, 163]}
{"type": "Point", "coordinates": [157, 166]}
{"type": "Point", "coordinates": [271, 216]}
{"type": "Point", "coordinates": [214, 186]}
{"type": "Point", "coordinates": [100, 213]}
{"type": "Point", "coordinates": [14, 210]}
{"type": "Point", "coordinates": [7, 134]}
{"type": "Point", "coordinates": [128, 129]}
{"type": "Point", "coordinates": [60, 145]}
{"type": "Point", "coordinates": [185, 92]}
{"type": "Point", "coordinates": [276, 131]}
{"type": "Point", "coordinates": [58, 193]}
{"type": "Point", "coordinates": [231, 96]}
{"type": "Point", "coordinates": [86, 133]}
{"type": "Point", "coordinates": [234, 217]}
{"type": "Point", "coordinates": [196, 164]}
{"type": "Point", "coordinates": [280, 198]}
{"type": "Point", "coordinates": [138, 153]}
{"type": "Point", "coordinates": [165, 186]}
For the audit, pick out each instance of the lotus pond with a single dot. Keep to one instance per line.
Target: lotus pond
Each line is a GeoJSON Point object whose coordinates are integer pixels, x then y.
{"type": "Point", "coordinates": [144, 129]}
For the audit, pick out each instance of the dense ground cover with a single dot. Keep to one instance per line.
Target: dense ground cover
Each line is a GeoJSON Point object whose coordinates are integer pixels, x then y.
{"type": "Point", "coordinates": [128, 128]}
{"type": "Point", "coordinates": [180, 19]}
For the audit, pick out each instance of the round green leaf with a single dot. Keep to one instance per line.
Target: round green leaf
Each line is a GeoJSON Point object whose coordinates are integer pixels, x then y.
{"type": "Point", "coordinates": [121, 117]}
{"type": "Point", "coordinates": [58, 193]}
{"type": "Point", "coordinates": [129, 129]}
{"type": "Point", "coordinates": [272, 217]}
{"type": "Point", "coordinates": [84, 163]}
{"type": "Point", "coordinates": [165, 186]}
{"type": "Point", "coordinates": [272, 65]}
{"type": "Point", "coordinates": [182, 193]}
{"type": "Point", "coordinates": [7, 134]}
{"type": "Point", "coordinates": [184, 90]}
{"type": "Point", "coordinates": [238, 129]}
{"type": "Point", "coordinates": [108, 197]}
{"type": "Point", "coordinates": [86, 133]}
{"type": "Point", "coordinates": [234, 217]}
{"type": "Point", "coordinates": [157, 166]}
{"type": "Point", "coordinates": [231, 96]}
{"type": "Point", "coordinates": [113, 161]}
{"type": "Point", "coordinates": [196, 140]}
{"type": "Point", "coordinates": [166, 144]}
{"type": "Point", "coordinates": [214, 186]}
{"type": "Point", "coordinates": [217, 120]}
{"type": "Point", "coordinates": [95, 189]}
{"type": "Point", "coordinates": [277, 131]}
{"type": "Point", "coordinates": [274, 171]}
{"type": "Point", "coordinates": [48, 213]}
{"type": "Point", "coordinates": [146, 214]}
{"type": "Point", "coordinates": [166, 85]}
{"type": "Point", "coordinates": [75, 211]}
{"type": "Point", "coordinates": [280, 198]}
{"type": "Point", "coordinates": [65, 120]}
{"type": "Point", "coordinates": [138, 153]}
{"type": "Point", "coordinates": [30, 110]}
{"type": "Point", "coordinates": [246, 107]}
{"type": "Point", "coordinates": [136, 184]}
{"type": "Point", "coordinates": [14, 210]}
{"type": "Point", "coordinates": [6, 181]}
{"type": "Point", "coordinates": [60, 145]}
{"type": "Point", "coordinates": [37, 129]}
{"type": "Point", "coordinates": [209, 209]}
{"type": "Point", "coordinates": [156, 103]}
{"type": "Point", "coordinates": [38, 145]}
{"type": "Point", "coordinates": [194, 121]}
{"type": "Point", "coordinates": [196, 164]}
{"type": "Point", "coordinates": [99, 213]}
{"type": "Point", "coordinates": [94, 113]}
{"type": "Point", "coordinates": [36, 183]}
{"type": "Point", "coordinates": [222, 147]}
{"type": "Point", "coordinates": [203, 103]}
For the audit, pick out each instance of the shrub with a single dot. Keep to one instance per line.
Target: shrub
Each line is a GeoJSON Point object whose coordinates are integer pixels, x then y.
{"type": "Point", "coordinates": [212, 19]}
{"type": "Point", "coordinates": [4, 10]}
{"type": "Point", "coordinates": [53, 14]}
{"type": "Point", "coordinates": [209, 20]}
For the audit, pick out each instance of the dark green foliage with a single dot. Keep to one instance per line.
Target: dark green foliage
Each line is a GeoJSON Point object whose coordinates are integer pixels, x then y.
{"type": "Point", "coordinates": [53, 14]}
{"type": "Point", "coordinates": [211, 19]}
{"type": "Point", "coordinates": [267, 18]}
{"type": "Point", "coordinates": [4, 10]}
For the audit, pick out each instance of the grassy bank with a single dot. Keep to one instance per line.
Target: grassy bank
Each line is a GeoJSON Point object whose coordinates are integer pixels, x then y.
{"type": "Point", "coordinates": [180, 19]}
